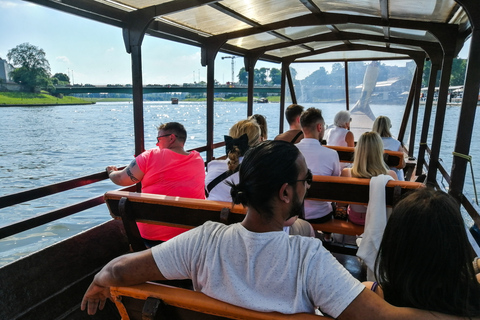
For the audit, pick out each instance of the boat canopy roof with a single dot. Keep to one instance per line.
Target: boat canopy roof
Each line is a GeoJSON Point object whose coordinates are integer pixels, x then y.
{"type": "Point", "coordinates": [291, 30]}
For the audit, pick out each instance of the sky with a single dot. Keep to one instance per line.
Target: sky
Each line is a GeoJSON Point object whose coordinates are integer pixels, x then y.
{"type": "Point", "coordinates": [91, 52]}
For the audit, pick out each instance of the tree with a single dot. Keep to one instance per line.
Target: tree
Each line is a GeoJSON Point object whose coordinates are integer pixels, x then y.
{"type": "Point", "coordinates": [60, 79]}
{"type": "Point", "coordinates": [243, 76]}
{"type": "Point", "coordinates": [31, 66]}
{"type": "Point", "coordinates": [276, 76]}
{"type": "Point", "coordinates": [459, 67]}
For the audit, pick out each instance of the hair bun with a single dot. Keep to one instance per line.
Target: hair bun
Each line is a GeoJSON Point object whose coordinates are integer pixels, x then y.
{"type": "Point", "coordinates": [238, 196]}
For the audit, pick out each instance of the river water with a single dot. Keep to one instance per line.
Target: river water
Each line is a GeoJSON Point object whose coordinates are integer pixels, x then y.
{"type": "Point", "coordinates": [45, 145]}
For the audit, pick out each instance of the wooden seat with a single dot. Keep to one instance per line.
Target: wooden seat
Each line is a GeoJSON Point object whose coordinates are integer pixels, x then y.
{"type": "Point", "coordinates": [187, 213]}
{"type": "Point", "coordinates": [159, 301]}
{"type": "Point", "coordinates": [352, 190]}
{"type": "Point", "coordinates": [392, 158]}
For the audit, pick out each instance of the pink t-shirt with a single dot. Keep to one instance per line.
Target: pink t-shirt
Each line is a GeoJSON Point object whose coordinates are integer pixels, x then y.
{"type": "Point", "coordinates": [169, 173]}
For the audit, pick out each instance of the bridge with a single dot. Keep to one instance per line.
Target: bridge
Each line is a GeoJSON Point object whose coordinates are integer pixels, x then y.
{"type": "Point", "coordinates": [166, 88]}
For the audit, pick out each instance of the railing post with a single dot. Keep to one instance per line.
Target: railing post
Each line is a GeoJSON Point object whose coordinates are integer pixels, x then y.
{"type": "Point", "coordinates": [426, 118]}
{"type": "Point", "coordinates": [469, 104]}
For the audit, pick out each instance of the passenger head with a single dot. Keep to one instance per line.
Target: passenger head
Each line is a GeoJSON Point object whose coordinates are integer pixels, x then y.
{"type": "Point", "coordinates": [425, 259]}
{"type": "Point", "coordinates": [382, 126]}
{"type": "Point", "coordinates": [242, 135]}
{"type": "Point", "coordinates": [368, 159]}
{"type": "Point", "coordinates": [342, 119]}
{"type": "Point", "coordinates": [292, 112]}
{"type": "Point", "coordinates": [264, 170]}
{"type": "Point", "coordinates": [262, 122]}
{"type": "Point", "coordinates": [173, 128]}
{"type": "Point", "coordinates": [310, 119]}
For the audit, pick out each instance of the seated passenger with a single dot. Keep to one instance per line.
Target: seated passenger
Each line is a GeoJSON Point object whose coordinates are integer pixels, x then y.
{"type": "Point", "coordinates": [340, 134]}
{"type": "Point", "coordinates": [167, 170]}
{"type": "Point", "coordinates": [320, 160]}
{"type": "Point", "coordinates": [295, 134]}
{"type": "Point", "coordinates": [425, 259]}
{"type": "Point", "coordinates": [262, 122]}
{"type": "Point", "coordinates": [382, 126]}
{"type": "Point", "coordinates": [367, 163]}
{"type": "Point", "coordinates": [254, 264]}
{"type": "Point", "coordinates": [242, 135]}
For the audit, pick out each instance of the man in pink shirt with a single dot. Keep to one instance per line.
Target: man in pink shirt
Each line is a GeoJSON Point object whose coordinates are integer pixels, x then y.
{"type": "Point", "coordinates": [167, 170]}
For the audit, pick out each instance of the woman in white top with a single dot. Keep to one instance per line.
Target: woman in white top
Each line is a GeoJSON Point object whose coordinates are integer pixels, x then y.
{"type": "Point", "coordinates": [367, 163]}
{"type": "Point", "coordinates": [340, 134]}
{"type": "Point", "coordinates": [382, 126]}
{"type": "Point", "coordinates": [242, 135]}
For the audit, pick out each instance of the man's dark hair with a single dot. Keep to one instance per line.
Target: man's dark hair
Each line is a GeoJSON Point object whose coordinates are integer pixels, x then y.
{"type": "Point", "coordinates": [293, 111]}
{"type": "Point", "coordinates": [176, 128]}
{"type": "Point", "coordinates": [265, 168]}
{"type": "Point", "coordinates": [310, 118]}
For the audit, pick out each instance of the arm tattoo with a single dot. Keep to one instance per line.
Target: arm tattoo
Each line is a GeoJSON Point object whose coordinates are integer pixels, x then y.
{"type": "Point", "coordinates": [130, 174]}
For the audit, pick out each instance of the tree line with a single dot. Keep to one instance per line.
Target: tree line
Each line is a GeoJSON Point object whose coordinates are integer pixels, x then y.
{"type": "Point", "coordinates": [32, 70]}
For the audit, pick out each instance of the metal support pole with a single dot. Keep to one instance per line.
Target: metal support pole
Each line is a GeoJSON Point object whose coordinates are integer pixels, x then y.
{"type": "Point", "coordinates": [285, 66]}
{"type": "Point", "coordinates": [137, 90]}
{"type": "Point", "coordinates": [416, 105]}
{"type": "Point", "coordinates": [291, 87]}
{"type": "Point", "coordinates": [347, 93]}
{"type": "Point", "coordinates": [440, 118]}
{"type": "Point", "coordinates": [250, 67]}
{"type": "Point", "coordinates": [426, 118]}
{"type": "Point", "coordinates": [467, 116]}
{"type": "Point", "coordinates": [408, 109]}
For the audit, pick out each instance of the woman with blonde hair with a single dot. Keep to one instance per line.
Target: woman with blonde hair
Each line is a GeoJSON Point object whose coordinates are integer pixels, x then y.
{"type": "Point", "coordinates": [242, 135]}
{"type": "Point", "coordinates": [382, 126]}
{"type": "Point", "coordinates": [367, 163]}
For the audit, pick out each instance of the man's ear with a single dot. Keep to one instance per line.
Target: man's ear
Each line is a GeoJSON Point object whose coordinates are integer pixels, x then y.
{"type": "Point", "coordinates": [285, 193]}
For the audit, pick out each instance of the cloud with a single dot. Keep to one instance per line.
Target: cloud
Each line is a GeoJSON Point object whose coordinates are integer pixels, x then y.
{"type": "Point", "coordinates": [63, 59]}
{"type": "Point", "coordinates": [8, 4]}
{"type": "Point", "coordinates": [110, 50]}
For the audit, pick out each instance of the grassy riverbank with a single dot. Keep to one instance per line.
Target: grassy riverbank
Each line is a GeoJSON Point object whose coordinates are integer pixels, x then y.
{"type": "Point", "coordinates": [28, 98]}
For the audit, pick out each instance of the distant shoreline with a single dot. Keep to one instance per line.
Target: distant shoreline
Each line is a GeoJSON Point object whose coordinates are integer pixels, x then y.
{"type": "Point", "coordinates": [44, 104]}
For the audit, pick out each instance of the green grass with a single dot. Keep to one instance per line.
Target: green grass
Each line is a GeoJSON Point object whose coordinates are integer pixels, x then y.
{"type": "Point", "coordinates": [9, 98]}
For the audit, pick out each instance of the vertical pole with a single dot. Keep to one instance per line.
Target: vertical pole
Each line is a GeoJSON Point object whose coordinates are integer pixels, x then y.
{"type": "Point", "coordinates": [210, 106]}
{"type": "Point", "coordinates": [426, 118]}
{"type": "Point", "coordinates": [416, 105]}
{"type": "Point", "coordinates": [251, 78]}
{"type": "Point", "coordinates": [291, 87]}
{"type": "Point", "coordinates": [467, 117]}
{"type": "Point", "coordinates": [137, 90]}
{"type": "Point", "coordinates": [347, 93]}
{"type": "Point", "coordinates": [440, 118]}
{"type": "Point", "coordinates": [408, 109]}
{"type": "Point", "coordinates": [285, 66]}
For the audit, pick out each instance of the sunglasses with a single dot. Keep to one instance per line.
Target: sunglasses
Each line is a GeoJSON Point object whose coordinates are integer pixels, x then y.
{"type": "Point", "coordinates": [308, 179]}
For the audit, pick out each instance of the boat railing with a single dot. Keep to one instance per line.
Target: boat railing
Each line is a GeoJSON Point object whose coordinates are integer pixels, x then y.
{"type": "Point", "coordinates": [41, 192]}
{"type": "Point", "coordinates": [465, 202]}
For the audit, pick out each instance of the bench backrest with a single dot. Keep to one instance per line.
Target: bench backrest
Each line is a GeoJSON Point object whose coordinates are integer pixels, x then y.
{"type": "Point", "coordinates": [178, 303]}
{"type": "Point", "coordinates": [356, 190]}
{"type": "Point", "coordinates": [181, 212]}
{"type": "Point", "coordinates": [392, 158]}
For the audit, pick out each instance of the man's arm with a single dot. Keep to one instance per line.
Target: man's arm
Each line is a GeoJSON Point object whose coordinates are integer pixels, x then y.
{"type": "Point", "coordinates": [126, 177]}
{"type": "Point", "coordinates": [368, 305]}
{"type": "Point", "coordinates": [126, 270]}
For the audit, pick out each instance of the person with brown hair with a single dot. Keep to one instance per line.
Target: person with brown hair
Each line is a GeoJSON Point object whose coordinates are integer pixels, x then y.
{"type": "Point", "coordinates": [295, 134]}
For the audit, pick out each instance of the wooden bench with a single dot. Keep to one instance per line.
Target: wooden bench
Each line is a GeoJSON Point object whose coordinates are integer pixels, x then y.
{"type": "Point", "coordinates": [132, 207]}
{"type": "Point", "coordinates": [392, 158]}
{"type": "Point", "coordinates": [159, 301]}
{"type": "Point", "coordinates": [352, 190]}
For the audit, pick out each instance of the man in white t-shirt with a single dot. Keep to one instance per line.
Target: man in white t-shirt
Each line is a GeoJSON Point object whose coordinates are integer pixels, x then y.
{"type": "Point", "coordinates": [254, 264]}
{"type": "Point", "coordinates": [320, 160]}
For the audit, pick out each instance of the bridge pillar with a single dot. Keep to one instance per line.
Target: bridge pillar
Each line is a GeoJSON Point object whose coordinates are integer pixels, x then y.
{"type": "Point", "coordinates": [250, 62]}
